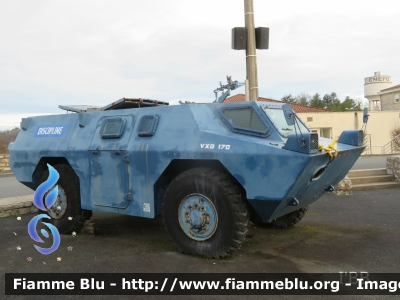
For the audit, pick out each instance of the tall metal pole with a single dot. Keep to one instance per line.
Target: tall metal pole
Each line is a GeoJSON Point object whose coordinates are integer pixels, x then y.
{"type": "Point", "coordinates": [251, 61]}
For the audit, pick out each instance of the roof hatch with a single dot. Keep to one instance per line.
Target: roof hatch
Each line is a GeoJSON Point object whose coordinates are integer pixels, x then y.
{"type": "Point", "coordinates": [123, 103]}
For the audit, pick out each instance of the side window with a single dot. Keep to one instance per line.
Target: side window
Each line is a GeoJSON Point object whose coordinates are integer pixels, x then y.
{"type": "Point", "coordinates": [244, 120]}
{"type": "Point", "coordinates": [113, 128]}
{"type": "Point", "coordinates": [147, 125]}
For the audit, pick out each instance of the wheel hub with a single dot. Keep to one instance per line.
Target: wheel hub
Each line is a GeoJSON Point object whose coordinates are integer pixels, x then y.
{"type": "Point", "coordinates": [198, 217]}
{"type": "Point", "coordinates": [59, 208]}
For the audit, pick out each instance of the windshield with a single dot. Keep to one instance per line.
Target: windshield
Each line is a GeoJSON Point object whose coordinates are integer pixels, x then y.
{"type": "Point", "coordinates": [278, 118]}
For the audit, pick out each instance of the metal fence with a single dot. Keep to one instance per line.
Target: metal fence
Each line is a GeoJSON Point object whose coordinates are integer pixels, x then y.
{"type": "Point", "coordinates": [367, 144]}
{"type": "Point", "coordinates": [392, 147]}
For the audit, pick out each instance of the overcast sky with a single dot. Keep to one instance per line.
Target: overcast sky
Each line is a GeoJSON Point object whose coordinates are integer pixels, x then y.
{"type": "Point", "coordinates": [95, 52]}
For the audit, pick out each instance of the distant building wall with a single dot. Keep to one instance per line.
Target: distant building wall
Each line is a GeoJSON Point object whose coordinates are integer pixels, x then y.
{"type": "Point", "coordinates": [380, 124]}
{"type": "Point", "coordinates": [372, 86]}
{"type": "Point", "coordinates": [390, 99]}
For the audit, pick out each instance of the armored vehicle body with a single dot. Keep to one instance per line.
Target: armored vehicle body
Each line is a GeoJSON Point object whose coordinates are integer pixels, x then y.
{"type": "Point", "coordinates": [207, 168]}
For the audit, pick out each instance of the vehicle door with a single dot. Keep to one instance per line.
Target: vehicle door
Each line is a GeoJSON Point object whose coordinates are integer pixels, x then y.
{"type": "Point", "coordinates": [109, 162]}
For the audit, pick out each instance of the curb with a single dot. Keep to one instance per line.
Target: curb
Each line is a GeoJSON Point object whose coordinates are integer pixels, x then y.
{"type": "Point", "coordinates": [20, 205]}
{"type": "Point", "coordinates": [6, 174]}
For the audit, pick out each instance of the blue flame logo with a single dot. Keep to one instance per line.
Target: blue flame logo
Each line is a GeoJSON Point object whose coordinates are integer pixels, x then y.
{"type": "Point", "coordinates": [44, 187]}
{"type": "Point", "coordinates": [38, 202]}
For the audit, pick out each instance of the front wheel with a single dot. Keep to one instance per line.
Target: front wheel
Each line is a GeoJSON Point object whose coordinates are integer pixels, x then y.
{"type": "Point", "coordinates": [205, 213]}
{"type": "Point", "coordinates": [66, 213]}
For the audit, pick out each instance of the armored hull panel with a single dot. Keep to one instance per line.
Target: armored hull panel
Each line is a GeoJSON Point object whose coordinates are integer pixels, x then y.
{"type": "Point", "coordinates": [126, 159]}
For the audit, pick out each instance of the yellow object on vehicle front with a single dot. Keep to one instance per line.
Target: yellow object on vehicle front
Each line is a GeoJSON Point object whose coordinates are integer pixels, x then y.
{"type": "Point", "coordinates": [329, 149]}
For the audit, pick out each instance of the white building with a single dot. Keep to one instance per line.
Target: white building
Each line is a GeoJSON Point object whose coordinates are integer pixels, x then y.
{"type": "Point", "coordinates": [373, 86]}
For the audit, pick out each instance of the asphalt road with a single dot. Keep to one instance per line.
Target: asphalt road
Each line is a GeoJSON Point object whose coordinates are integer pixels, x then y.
{"type": "Point", "coordinates": [10, 187]}
{"type": "Point", "coordinates": [359, 232]}
{"type": "Point", "coordinates": [370, 162]}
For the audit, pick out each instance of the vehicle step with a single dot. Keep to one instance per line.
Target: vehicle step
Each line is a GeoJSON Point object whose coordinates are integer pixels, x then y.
{"type": "Point", "coordinates": [373, 186]}
{"type": "Point", "coordinates": [366, 172]}
{"type": "Point", "coordinates": [372, 179]}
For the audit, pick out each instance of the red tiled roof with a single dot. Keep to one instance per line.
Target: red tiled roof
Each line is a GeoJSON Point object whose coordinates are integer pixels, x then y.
{"type": "Point", "coordinates": [392, 87]}
{"type": "Point", "coordinates": [296, 107]}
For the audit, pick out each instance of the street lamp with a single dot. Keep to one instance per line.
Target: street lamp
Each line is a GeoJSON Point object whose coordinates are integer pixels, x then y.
{"type": "Point", "coordinates": [249, 38]}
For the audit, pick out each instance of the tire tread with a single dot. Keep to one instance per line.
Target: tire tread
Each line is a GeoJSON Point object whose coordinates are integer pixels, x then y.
{"type": "Point", "coordinates": [289, 219]}
{"type": "Point", "coordinates": [232, 195]}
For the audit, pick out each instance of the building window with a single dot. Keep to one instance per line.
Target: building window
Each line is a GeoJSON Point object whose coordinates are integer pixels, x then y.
{"type": "Point", "coordinates": [323, 132]}
{"type": "Point", "coordinates": [396, 98]}
{"type": "Point", "coordinates": [309, 119]}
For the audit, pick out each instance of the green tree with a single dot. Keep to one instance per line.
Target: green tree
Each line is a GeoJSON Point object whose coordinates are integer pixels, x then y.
{"type": "Point", "coordinates": [333, 102]}
{"type": "Point", "coordinates": [351, 104]}
{"type": "Point", "coordinates": [316, 101]}
{"type": "Point", "coordinates": [288, 98]}
{"type": "Point", "coordinates": [348, 104]}
{"type": "Point", "coordinates": [327, 100]}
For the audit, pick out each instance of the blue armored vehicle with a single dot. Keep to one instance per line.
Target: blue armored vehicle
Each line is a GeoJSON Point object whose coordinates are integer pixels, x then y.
{"type": "Point", "coordinates": [207, 168]}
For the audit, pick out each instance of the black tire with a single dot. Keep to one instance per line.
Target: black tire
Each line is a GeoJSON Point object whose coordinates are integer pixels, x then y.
{"type": "Point", "coordinates": [228, 202]}
{"type": "Point", "coordinates": [289, 219]}
{"type": "Point", "coordinates": [69, 182]}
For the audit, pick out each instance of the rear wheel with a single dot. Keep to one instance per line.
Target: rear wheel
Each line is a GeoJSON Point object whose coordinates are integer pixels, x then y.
{"type": "Point", "coordinates": [289, 219]}
{"type": "Point", "coordinates": [66, 213]}
{"type": "Point", "coordinates": [205, 213]}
